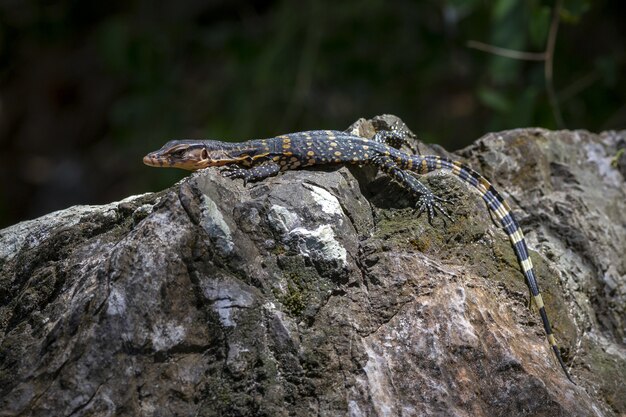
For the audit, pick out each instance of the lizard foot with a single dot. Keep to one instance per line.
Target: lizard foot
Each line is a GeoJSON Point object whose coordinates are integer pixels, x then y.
{"type": "Point", "coordinates": [432, 205]}
{"type": "Point", "coordinates": [234, 172]}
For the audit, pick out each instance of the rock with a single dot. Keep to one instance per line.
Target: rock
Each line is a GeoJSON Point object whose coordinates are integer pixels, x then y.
{"type": "Point", "coordinates": [318, 292]}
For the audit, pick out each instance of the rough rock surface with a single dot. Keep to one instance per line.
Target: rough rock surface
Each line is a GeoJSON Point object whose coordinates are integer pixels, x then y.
{"type": "Point", "coordinates": [320, 293]}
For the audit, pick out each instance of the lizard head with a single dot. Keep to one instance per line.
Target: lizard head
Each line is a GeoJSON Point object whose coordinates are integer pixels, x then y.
{"type": "Point", "coordinates": [191, 155]}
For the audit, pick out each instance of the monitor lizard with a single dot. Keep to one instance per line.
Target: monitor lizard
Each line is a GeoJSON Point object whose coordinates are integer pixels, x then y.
{"type": "Point", "coordinates": [255, 160]}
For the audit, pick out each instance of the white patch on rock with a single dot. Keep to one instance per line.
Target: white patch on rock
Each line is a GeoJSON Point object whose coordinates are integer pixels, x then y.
{"type": "Point", "coordinates": [354, 410]}
{"type": "Point", "coordinates": [227, 295]}
{"type": "Point", "coordinates": [166, 227]}
{"type": "Point", "coordinates": [147, 406]}
{"type": "Point", "coordinates": [319, 244]}
{"type": "Point", "coordinates": [607, 345]}
{"type": "Point", "coordinates": [380, 383]}
{"type": "Point", "coordinates": [212, 221]}
{"type": "Point", "coordinates": [328, 202]}
{"type": "Point", "coordinates": [166, 335]}
{"type": "Point", "coordinates": [116, 305]}
{"type": "Point", "coordinates": [32, 233]}
{"type": "Point", "coordinates": [282, 219]}
{"type": "Point", "coordinates": [224, 309]}
{"type": "Point", "coordinates": [270, 307]}
{"type": "Point", "coordinates": [460, 329]}
{"type": "Point", "coordinates": [596, 153]}
{"type": "Point", "coordinates": [613, 280]}
{"type": "Point", "coordinates": [145, 209]}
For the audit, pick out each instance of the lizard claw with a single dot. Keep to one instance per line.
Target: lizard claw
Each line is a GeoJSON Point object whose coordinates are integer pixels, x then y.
{"type": "Point", "coordinates": [443, 200]}
{"type": "Point", "coordinates": [430, 204]}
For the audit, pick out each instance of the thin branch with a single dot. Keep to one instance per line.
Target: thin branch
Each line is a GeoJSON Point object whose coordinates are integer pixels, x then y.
{"type": "Point", "coordinates": [548, 65]}
{"type": "Point", "coordinates": [578, 86]}
{"type": "Point", "coordinates": [547, 56]}
{"type": "Point", "coordinates": [616, 121]}
{"type": "Point", "coordinates": [507, 53]}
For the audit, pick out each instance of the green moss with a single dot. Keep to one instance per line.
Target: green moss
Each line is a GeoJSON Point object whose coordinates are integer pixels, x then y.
{"type": "Point", "coordinates": [279, 250]}
{"type": "Point", "coordinates": [421, 244]}
{"type": "Point", "coordinates": [618, 155]}
{"type": "Point", "coordinates": [294, 300]}
{"type": "Point", "coordinates": [306, 288]}
{"type": "Point", "coordinates": [219, 397]}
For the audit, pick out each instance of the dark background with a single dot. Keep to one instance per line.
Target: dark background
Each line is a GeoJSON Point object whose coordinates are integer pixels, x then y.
{"type": "Point", "coordinates": [88, 88]}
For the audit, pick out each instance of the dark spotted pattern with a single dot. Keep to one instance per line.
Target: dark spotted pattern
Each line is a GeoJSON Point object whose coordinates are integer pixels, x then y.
{"type": "Point", "coordinates": [258, 159]}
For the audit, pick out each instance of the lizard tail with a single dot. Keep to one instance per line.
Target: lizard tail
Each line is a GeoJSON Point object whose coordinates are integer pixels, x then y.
{"type": "Point", "coordinates": [498, 205]}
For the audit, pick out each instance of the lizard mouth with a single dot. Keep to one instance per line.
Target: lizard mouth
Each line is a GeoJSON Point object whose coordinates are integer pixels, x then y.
{"type": "Point", "coordinates": [192, 160]}
{"type": "Point", "coordinates": [153, 161]}
{"type": "Point", "coordinates": [190, 164]}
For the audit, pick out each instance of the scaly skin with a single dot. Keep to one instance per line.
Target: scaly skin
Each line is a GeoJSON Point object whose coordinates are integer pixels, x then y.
{"type": "Point", "coordinates": [256, 160]}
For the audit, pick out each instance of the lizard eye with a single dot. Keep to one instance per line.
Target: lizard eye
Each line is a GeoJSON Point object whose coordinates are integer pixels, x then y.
{"type": "Point", "coordinates": [178, 153]}
{"type": "Point", "coordinates": [204, 154]}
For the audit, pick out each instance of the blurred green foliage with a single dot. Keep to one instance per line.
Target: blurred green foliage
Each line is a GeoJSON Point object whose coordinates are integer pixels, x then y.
{"type": "Point", "coordinates": [238, 70]}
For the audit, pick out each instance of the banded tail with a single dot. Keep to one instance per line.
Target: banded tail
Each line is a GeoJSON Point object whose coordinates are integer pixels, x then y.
{"type": "Point", "coordinates": [499, 206]}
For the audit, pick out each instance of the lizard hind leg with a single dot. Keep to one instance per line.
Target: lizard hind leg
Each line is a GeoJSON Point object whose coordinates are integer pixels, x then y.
{"type": "Point", "coordinates": [395, 139]}
{"type": "Point", "coordinates": [426, 200]}
{"type": "Point", "coordinates": [391, 137]}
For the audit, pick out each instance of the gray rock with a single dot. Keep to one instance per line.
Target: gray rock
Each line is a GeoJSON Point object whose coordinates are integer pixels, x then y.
{"type": "Point", "coordinates": [320, 293]}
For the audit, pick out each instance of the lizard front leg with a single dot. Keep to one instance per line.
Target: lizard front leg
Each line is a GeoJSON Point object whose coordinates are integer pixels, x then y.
{"type": "Point", "coordinates": [255, 173]}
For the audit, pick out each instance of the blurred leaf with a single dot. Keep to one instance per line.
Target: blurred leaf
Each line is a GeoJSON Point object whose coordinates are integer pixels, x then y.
{"type": "Point", "coordinates": [464, 4]}
{"type": "Point", "coordinates": [607, 67]}
{"type": "Point", "coordinates": [572, 10]}
{"type": "Point", "coordinates": [507, 31]}
{"type": "Point", "coordinates": [460, 8]}
{"type": "Point", "coordinates": [503, 8]}
{"type": "Point", "coordinates": [494, 99]}
{"type": "Point", "coordinates": [538, 25]}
